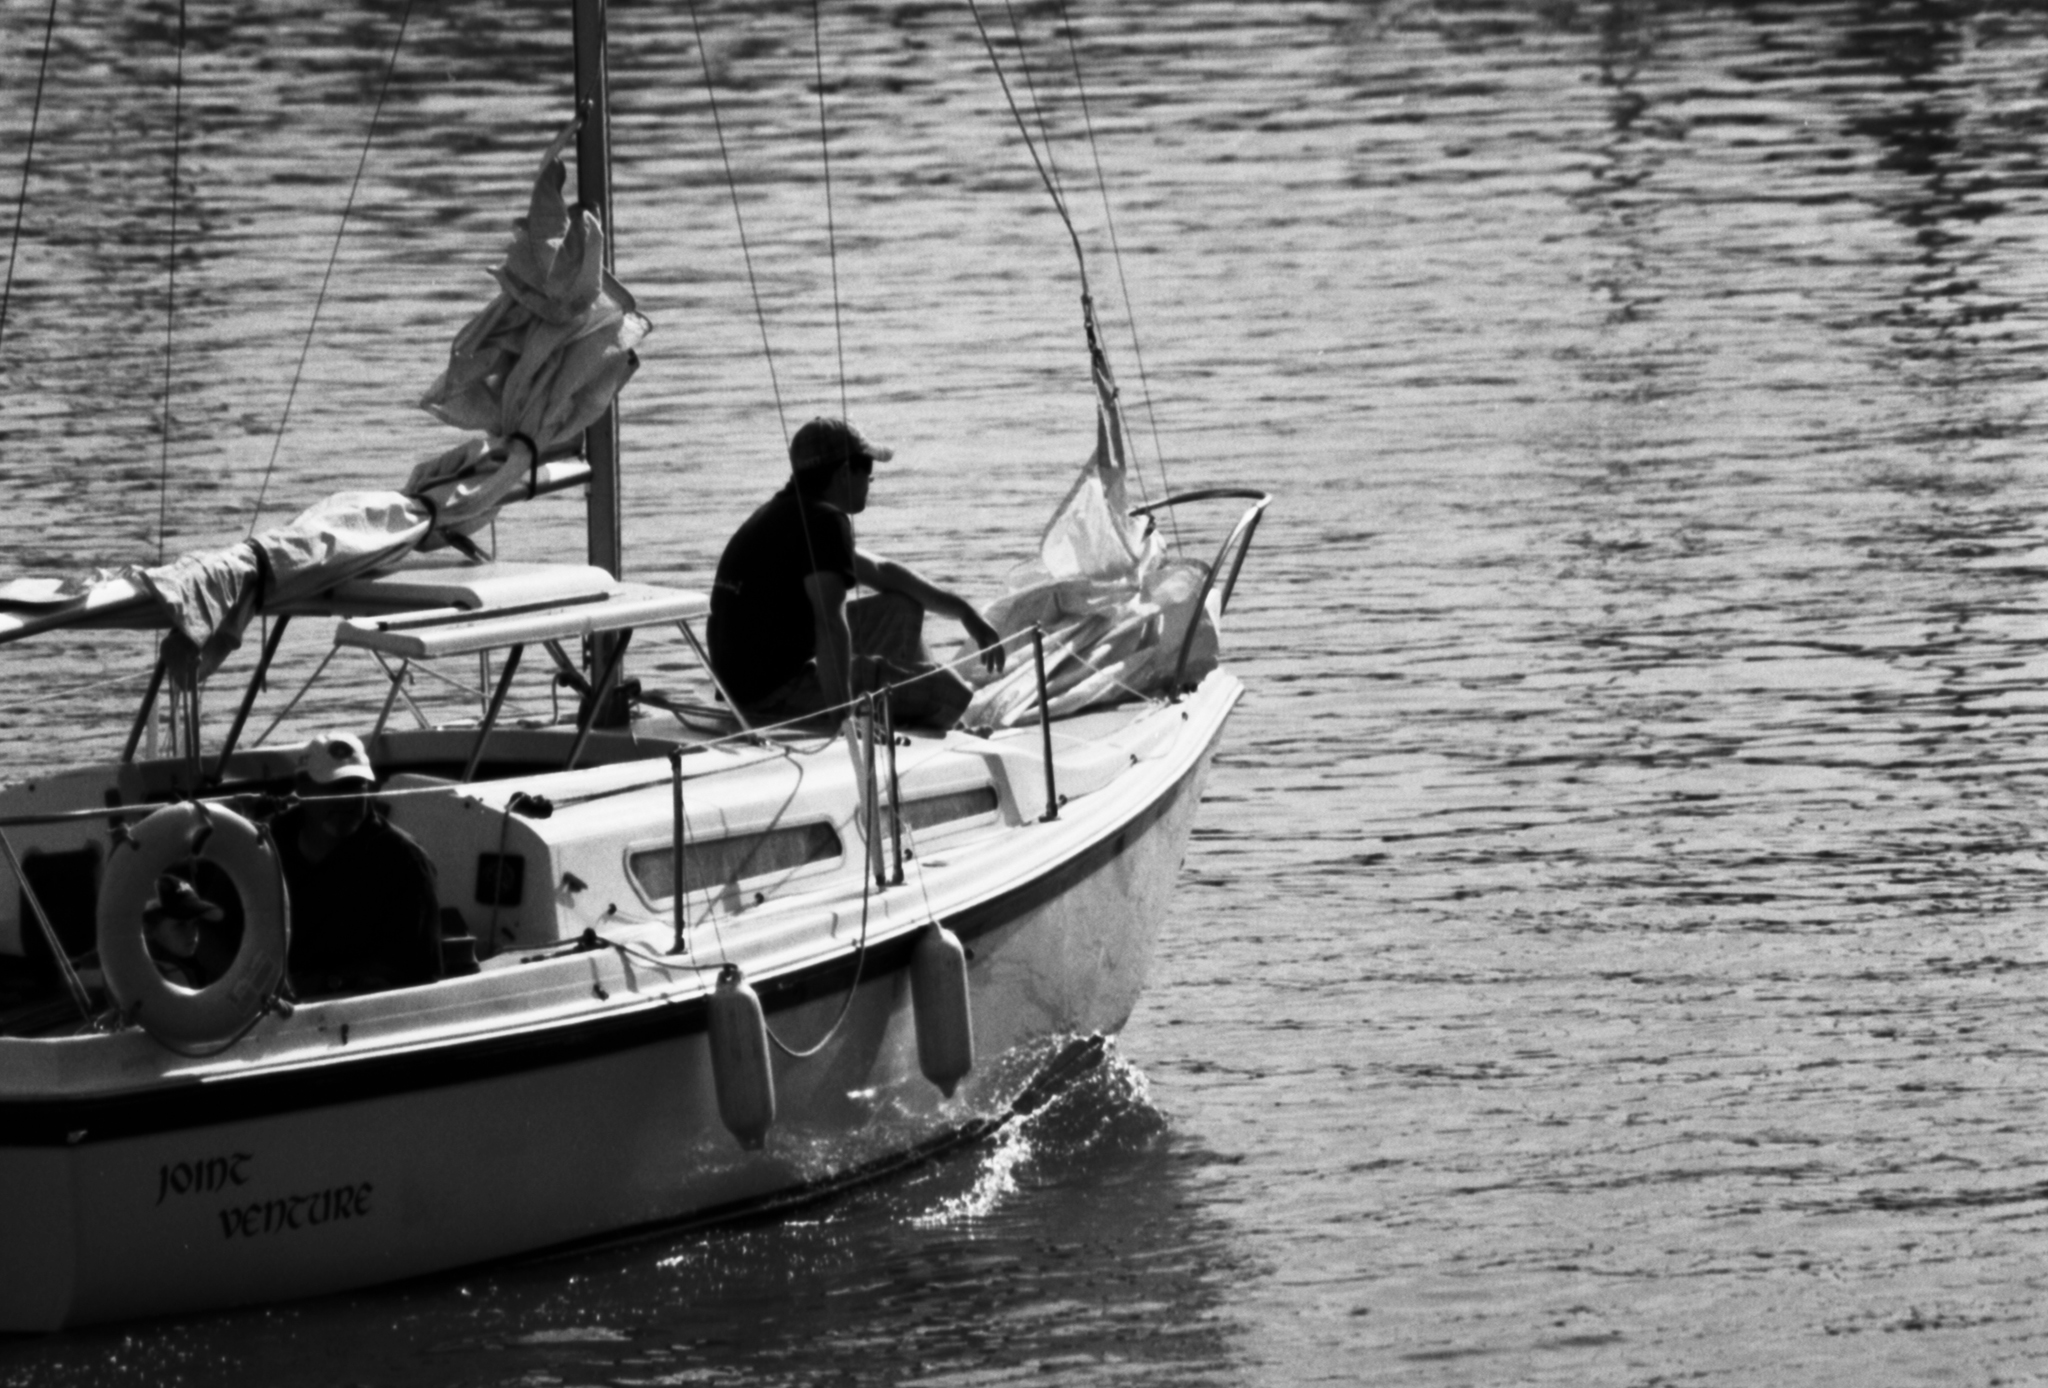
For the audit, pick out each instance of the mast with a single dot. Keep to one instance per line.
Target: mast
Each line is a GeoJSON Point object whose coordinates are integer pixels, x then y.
{"type": "Point", "coordinates": [600, 440]}
{"type": "Point", "coordinates": [594, 191]}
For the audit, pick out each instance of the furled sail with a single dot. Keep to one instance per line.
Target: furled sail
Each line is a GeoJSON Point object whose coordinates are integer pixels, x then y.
{"type": "Point", "coordinates": [546, 356]}
{"type": "Point", "coordinates": [533, 370]}
{"type": "Point", "coordinates": [1114, 606]}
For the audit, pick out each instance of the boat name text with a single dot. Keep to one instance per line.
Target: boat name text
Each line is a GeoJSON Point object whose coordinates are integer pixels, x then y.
{"type": "Point", "coordinates": [202, 1177]}
{"type": "Point", "coordinates": [290, 1212]}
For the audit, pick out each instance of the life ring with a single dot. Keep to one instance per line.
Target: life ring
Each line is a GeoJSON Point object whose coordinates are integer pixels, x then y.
{"type": "Point", "coordinates": [175, 1015]}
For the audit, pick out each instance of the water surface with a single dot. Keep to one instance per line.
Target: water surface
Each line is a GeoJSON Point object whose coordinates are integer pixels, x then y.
{"type": "Point", "coordinates": [1609, 953]}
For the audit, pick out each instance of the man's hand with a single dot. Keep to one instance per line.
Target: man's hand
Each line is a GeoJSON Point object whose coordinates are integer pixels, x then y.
{"type": "Point", "coordinates": [985, 636]}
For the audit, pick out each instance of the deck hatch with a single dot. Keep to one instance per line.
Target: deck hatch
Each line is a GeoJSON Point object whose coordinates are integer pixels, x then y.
{"type": "Point", "coordinates": [712, 863]}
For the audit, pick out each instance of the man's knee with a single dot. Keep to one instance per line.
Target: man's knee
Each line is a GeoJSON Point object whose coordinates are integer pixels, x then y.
{"type": "Point", "coordinates": [932, 697]}
{"type": "Point", "coordinates": [890, 625]}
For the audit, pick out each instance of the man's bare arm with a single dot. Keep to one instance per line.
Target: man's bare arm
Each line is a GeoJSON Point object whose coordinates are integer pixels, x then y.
{"type": "Point", "coordinates": [888, 576]}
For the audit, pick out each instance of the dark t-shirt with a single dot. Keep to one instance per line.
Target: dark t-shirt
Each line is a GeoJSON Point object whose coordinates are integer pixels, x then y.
{"type": "Point", "coordinates": [364, 916]}
{"type": "Point", "coordinates": [763, 633]}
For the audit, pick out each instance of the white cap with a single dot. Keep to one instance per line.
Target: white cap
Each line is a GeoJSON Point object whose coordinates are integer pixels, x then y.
{"type": "Point", "coordinates": [335, 757]}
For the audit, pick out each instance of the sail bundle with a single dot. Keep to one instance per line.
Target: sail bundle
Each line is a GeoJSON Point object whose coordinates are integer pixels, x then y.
{"type": "Point", "coordinates": [1114, 607]}
{"type": "Point", "coordinates": [546, 356]}
{"type": "Point", "coordinates": [531, 371]}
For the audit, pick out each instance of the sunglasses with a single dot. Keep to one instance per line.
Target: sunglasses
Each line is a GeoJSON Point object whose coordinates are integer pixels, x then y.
{"type": "Point", "coordinates": [862, 467]}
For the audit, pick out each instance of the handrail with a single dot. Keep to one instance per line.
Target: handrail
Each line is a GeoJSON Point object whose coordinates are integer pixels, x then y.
{"type": "Point", "coordinates": [1240, 536]}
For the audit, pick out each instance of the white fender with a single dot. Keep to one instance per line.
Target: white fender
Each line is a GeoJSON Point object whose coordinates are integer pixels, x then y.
{"type": "Point", "coordinates": [171, 1013]}
{"type": "Point", "coordinates": [945, 1018]}
{"type": "Point", "coordinates": [740, 1068]}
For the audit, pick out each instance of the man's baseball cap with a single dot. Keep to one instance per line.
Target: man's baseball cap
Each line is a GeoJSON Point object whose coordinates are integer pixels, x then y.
{"type": "Point", "coordinates": [335, 758]}
{"type": "Point", "coordinates": [830, 442]}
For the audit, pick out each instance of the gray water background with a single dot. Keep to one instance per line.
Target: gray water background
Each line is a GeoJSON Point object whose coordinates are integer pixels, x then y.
{"type": "Point", "coordinates": [1610, 949]}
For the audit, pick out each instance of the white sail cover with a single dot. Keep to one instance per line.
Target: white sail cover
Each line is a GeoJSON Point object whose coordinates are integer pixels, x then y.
{"type": "Point", "coordinates": [541, 363]}
{"type": "Point", "coordinates": [1114, 607]}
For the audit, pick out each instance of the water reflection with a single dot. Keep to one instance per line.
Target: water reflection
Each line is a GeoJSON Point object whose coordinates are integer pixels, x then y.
{"type": "Point", "coordinates": [1073, 1248]}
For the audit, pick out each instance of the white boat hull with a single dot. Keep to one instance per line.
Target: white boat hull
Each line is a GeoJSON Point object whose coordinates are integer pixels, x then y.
{"type": "Point", "coordinates": [390, 1157]}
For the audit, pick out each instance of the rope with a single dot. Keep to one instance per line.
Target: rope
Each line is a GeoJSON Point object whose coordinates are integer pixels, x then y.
{"type": "Point", "coordinates": [333, 255]}
{"type": "Point", "coordinates": [74, 691]}
{"type": "Point", "coordinates": [27, 158]}
{"type": "Point", "coordinates": [831, 227]}
{"type": "Point", "coordinates": [867, 887]}
{"type": "Point", "coordinates": [163, 492]}
{"type": "Point", "coordinates": [1071, 652]}
{"type": "Point", "coordinates": [1116, 255]}
{"type": "Point", "coordinates": [757, 735]}
{"type": "Point", "coordinates": [746, 250]}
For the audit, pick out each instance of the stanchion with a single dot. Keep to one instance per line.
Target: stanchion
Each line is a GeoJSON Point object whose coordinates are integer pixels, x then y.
{"type": "Point", "coordinates": [1052, 798]}
{"type": "Point", "coordinates": [874, 802]}
{"type": "Point", "coordinates": [895, 792]}
{"type": "Point", "coordinates": [675, 762]}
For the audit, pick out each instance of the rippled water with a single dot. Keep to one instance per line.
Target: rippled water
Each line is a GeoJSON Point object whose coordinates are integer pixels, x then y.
{"type": "Point", "coordinates": [1610, 952]}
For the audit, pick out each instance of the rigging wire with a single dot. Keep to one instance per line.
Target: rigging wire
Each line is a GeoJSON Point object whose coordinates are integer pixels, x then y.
{"type": "Point", "coordinates": [1108, 398]}
{"type": "Point", "coordinates": [1052, 164]}
{"type": "Point", "coordinates": [831, 228]}
{"type": "Point", "coordinates": [747, 253]}
{"type": "Point", "coordinates": [1116, 255]}
{"type": "Point", "coordinates": [1037, 106]}
{"type": "Point", "coordinates": [163, 492]}
{"type": "Point", "coordinates": [746, 250]}
{"type": "Point", "coordinates": [1049, 176]}
{"type": "Point", "coordinates": [327, 276]}
{"type": "Point", "coordinates": [69, 692]}
{"type": "Point", "coordinates": [27, 159]}
{"type": "Point", "coordinates": [1030, 146]}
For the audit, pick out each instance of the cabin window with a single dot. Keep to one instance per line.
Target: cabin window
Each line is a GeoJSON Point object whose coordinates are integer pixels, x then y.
{"type": "Point", "coordinates": [713, 863]}
{"type": "Point", "coordinates": [931, 811]}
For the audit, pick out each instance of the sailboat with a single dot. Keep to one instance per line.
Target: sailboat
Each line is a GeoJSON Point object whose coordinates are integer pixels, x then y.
{"type": "Point", "coordinates": [692, 968]}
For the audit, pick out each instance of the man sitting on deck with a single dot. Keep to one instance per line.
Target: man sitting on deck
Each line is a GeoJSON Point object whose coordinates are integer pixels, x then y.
{"type": "Point", "coordinates": [365, 914]}
{"type": "Point", "coordinates": [787, 644]}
